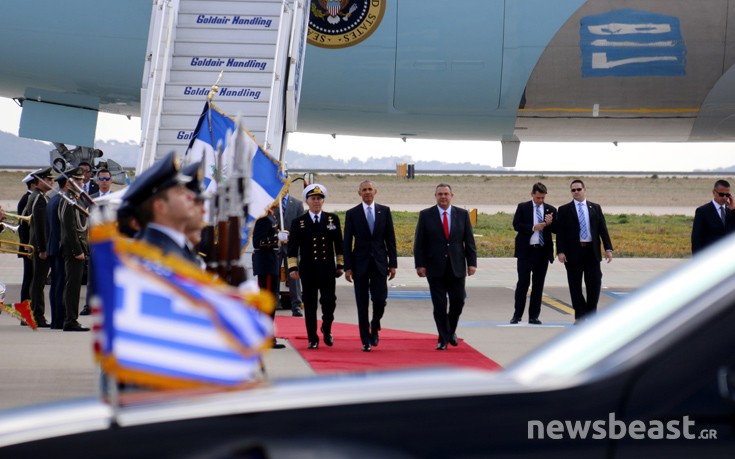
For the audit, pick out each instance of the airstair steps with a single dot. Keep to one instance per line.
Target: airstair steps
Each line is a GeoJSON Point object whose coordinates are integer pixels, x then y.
{"type": "Point", "coordinates": [241, 38]}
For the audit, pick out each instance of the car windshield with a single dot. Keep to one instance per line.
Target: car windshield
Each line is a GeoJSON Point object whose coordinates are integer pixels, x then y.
{"type": "Point", "coordinates": [614, 328]}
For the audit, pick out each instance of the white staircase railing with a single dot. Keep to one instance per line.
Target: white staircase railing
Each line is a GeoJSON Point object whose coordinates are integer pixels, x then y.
{"type": "Point", "coordinates": [191, 41]}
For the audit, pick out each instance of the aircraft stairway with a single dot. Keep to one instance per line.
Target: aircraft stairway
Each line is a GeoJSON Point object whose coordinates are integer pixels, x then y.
{"type": "Point", "coordinates": [259, 47]}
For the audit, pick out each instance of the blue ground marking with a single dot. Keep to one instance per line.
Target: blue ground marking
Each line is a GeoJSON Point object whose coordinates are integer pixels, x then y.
{"type": "Point", "coordinates": [521, 324]}
{"type": "Point", "coordinates": [616, 295]}
{"type": "Point", "coordinates": [409, 295]}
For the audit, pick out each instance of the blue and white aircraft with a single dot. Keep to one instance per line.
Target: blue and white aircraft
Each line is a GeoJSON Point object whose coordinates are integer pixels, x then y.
{"type": "Point", "coordinates": [512, 70]}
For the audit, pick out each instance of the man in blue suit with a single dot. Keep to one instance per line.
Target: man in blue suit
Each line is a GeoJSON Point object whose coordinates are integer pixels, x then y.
{"type": "Point", "coordinates": [55, 256]}
{"type": "Point", "coordinates": [715, 219]}
{"type": "Point", "coordinates": [444, 252]}
{"type": "Point", "coordinates": [370, 259]}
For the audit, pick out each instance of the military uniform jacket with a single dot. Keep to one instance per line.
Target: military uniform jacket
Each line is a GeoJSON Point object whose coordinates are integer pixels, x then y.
{"type": "Point", "coordinates": [318, 245]}
{"type": "Point", "coordinates": [36, 206]}
{"type": "Point", "coordinates": [265, 244]}
{"type": "Point", "coordinates": [74, 240]}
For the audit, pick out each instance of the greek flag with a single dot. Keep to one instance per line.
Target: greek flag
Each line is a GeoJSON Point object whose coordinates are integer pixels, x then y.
{"type": "Point", "coordinates": [166, 324]}
{"type": "Point", "coordinates": [212, 143]}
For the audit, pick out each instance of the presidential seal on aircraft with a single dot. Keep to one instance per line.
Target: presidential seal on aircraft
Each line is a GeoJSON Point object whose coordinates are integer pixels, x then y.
{"type": "Point", "coordinates": [343, 23]}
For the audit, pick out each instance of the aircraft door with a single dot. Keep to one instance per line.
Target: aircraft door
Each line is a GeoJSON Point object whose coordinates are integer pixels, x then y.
{"type": "Point", "coordinates": [449, 58]}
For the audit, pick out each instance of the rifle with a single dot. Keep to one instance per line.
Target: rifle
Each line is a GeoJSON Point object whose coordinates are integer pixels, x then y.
{"type": "Point", "coordinates": [237, 206]}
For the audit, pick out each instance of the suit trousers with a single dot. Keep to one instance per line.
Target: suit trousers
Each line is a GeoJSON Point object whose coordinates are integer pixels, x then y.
{"type": "Point", "coordinates": [441, 287]}
{"type": "Point", "coordinates": [38, 284]}
{"type": "Point", "coordinates": [535, 264]}
{"type": "Point", "coordinates": [25, 288]}
{"type": "Point", "coordinates": [73, 270]}
{"type": "Point", "coordinates": [321, 287]}
{"type": "Point", "coordinates": [269, 283]}
{"type": "Point", "coordinates": [56, 294]}
{"type": "Point", "coordinates": [294, 286]}
{"type": "Point", "coordinates": [588, 267]}
{"type": "Point", "coordinates": [373, 285]}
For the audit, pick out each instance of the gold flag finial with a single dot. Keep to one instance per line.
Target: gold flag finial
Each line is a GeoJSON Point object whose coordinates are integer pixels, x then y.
{"type": "Point", "coordinates": [215, 88]}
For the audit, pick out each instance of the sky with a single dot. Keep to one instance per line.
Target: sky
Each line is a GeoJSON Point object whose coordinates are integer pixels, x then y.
{"type": "Point", "coordinates": [646, 157]}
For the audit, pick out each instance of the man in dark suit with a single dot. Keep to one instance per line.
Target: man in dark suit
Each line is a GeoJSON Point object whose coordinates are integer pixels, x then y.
{"type": "Point", "coordinates": [534, 248]}
{"type": "Point", "coordinates": [715, 219]}
{"type": "Point", "coordinates": [163, 206]}
{"type": "Point", "coordinates": [38, 238]}
{"type": "Point", "coordinates": [290, 209]}
{"type": "Point", "coordinates": [444, 252]}
{"type": "Point", "coordinates": [370, 259]}
{"type": "Point", "coordinates": [89, 186]}
{"type": "Point", "coordinates": [580, 228]}
{"type": "Point", "coordinates": [315, 256]}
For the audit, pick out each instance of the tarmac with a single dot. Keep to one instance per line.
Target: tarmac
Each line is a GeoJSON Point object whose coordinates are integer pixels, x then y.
{"type": "Point", "coordinates": [51, 365]}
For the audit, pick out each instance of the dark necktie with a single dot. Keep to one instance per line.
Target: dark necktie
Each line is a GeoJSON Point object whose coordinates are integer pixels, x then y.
{"type": "Point", "coordinates": [722, 214]}
{"type": "Point", "coordinates": [445, 222]}
{"type": "Point", "coordinates": [316, 219]}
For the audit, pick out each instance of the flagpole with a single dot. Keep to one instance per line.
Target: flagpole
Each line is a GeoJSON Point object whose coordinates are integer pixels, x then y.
{"type": "Point", "coordinates": [210, 97]}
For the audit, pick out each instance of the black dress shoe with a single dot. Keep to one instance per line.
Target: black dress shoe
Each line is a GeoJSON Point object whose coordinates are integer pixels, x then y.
{"type": "Point", "coordinates": [43, 324]}
{"type": "Point", "coordinates": [328, 339]}
{"type": "Point", "coordinates": [515, 320]}
{"type": "Point", "coordinates": [374, 338]}
{"type": "Point", "coordinates": [77, 327]}
{"type": "Point", "coordinates": [453, 339]}
{"type": "Point", "coordinates": [313, 345]}
{"type": "Point", "coordinates": [278, 346]}
{"type": "Point", "coordinates": [85, 311]}
{"type": "Point", "coordinates": [441, 346]}
{"type": "Point", "coordinates": [534, 321]}
{"type": "Point", "coordinates": [297, 313]}
{"type": "Point", "coordinates": [365, 348]}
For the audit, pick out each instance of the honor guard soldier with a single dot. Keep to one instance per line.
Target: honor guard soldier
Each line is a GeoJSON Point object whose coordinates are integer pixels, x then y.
{"type": "Point", "coordinates": [266, 238]}
{"type": "Point", "coordinates": [315, 257]}
{"type": "Point", "coordinates": [163, 206]}
{"type": "Point", "coordinates": [38, 239]}
{"type": "Point", "coordinates": [75, 249]}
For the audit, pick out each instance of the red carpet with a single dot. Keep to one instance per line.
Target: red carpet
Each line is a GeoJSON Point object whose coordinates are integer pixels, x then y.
{"type": "Point", "coordinates": [397, 349]}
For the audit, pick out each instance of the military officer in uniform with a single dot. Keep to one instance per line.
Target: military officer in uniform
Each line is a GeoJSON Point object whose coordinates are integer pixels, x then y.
{"type": "Point", "coordinates": [315, 257]}
{"type": "Point", "coordinates": [75, 249]}
{"type": "Point", "coordinates": [163, 205]}
{"type": "Point", "coordinates": [266, 238]}
{"type": "Point", "coordinates": [38, 238]}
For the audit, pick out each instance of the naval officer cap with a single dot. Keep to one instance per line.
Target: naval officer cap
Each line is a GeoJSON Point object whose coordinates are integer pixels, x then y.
{"type": "Point", "coordinates": [28, 178]}
{"type": "Point", "coordinates": [163, 174]}
{"type": "Point", "coordinates": [314, 189]}
{"type": "Point", "coordinates": [196, 184]}
{"type": "Point", "coordinates": [42, 173]}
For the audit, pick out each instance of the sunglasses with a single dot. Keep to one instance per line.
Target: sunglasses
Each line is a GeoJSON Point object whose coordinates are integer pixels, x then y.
{"type": "Point", "coordinates": [574, 190]}
{"type": "Point", "coordinates": [722, 195]}
{"type": "Point", "coordinates": [104, 179]}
